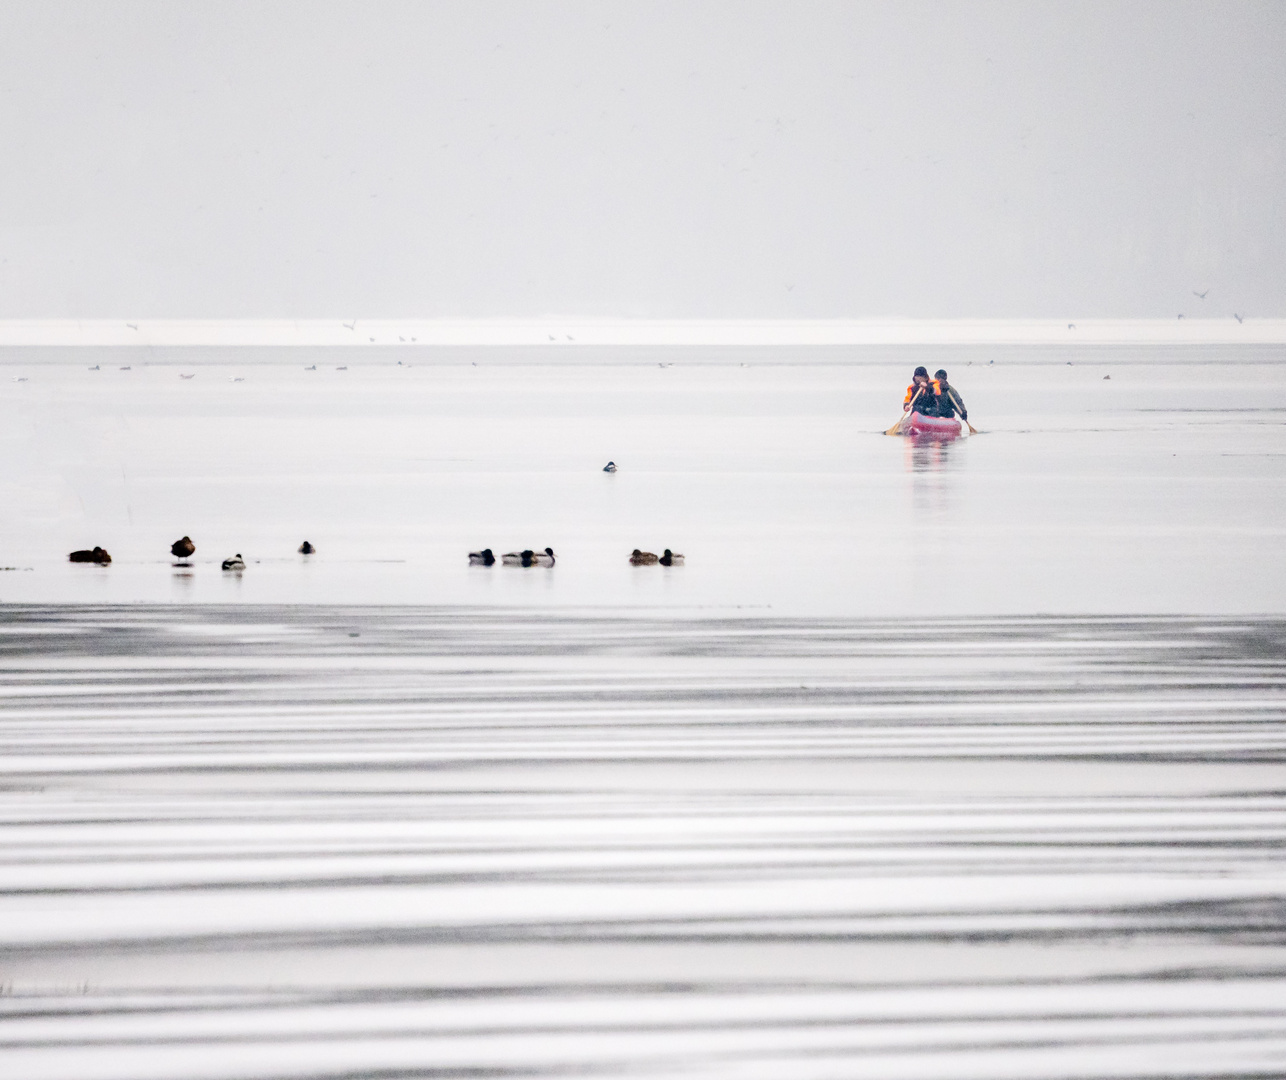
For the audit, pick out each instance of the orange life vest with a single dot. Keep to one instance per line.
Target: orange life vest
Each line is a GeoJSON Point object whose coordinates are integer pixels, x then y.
{"type": "Point", "coordinates": [930, 389]}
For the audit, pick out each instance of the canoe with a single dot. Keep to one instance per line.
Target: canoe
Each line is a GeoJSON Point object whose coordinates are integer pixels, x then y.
{"type": "Point", "coordinates": [919, 424]}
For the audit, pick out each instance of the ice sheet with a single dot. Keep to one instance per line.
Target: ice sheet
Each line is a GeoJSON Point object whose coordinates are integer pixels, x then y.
{"type": "Point", "coordinates": [313, 841]}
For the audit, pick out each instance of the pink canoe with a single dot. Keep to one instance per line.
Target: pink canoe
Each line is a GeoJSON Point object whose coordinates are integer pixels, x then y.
{"type": "Point", "coordinates": [919, 424]}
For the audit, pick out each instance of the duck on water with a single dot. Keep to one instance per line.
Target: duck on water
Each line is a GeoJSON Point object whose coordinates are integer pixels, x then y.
{"type": "Point", "coordinates": [98, 555]}
{"type": "Point", "coordinates": [482, 558]}
{"type": "Point", "coordinates": [646, 558]}
{"type": "Point", "coordinates": [182, 549]}
{"type": "Point", "coordinates": [529, 558]}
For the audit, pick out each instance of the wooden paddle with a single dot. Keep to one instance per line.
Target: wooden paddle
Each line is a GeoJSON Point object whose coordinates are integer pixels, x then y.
{"type": "Point", "coordinates": [972, 430]}
{"type": "Point", "coordinates": [906, 412]}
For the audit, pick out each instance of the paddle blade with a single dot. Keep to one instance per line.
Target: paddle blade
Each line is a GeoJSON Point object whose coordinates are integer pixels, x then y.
{"type": "Point", "coordinates": [896, 429]}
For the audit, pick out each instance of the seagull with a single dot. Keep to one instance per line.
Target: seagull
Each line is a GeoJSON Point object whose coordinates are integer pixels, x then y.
{"type": "Point", "coordinates": [313, 368]}
{"type": "Point", "coordinates": [132, 326]}
{"type": "Point", "coordinates": [1199, 295]}
{"type": "Point", "coordinates": [238, 378]}
{"type": "Point", "coordinates": [1237, 317]}
{"type": "Point", "coordinates": [95, 368]}
{"type": "Point", "coordinates": [552, 338]}
{"type": "Point", "coordinates": [343, 368]}
{"type": "Point", "coordinates": [350, 325]}
{"type": "Point", "coordinates": [1180, 315]}
{"type": "Point", "coordinates": [126, 368]}
{"type": "Point", "coordinates": [1071, 326]}
{"type": "Point", "coordinates": [192, 376]}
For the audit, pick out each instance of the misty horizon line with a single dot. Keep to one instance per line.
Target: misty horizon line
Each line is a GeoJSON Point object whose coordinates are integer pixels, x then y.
{"type": "Point", "coordinates": [573, 330]}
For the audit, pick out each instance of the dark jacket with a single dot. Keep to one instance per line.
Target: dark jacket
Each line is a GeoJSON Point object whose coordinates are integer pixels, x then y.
{"type": "Point", "coordinates": [949, 402]}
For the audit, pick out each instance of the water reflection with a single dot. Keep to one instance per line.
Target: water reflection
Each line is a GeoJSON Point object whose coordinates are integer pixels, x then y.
{"type": "Point", "coordinates": [182, 579]}
{"type": "Point", "coordinates": [929, 461]}
{"type": "Point", "coordinates": [929, 453]}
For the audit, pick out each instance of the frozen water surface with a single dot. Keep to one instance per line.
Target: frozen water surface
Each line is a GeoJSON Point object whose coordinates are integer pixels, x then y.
{"type": "Point", "coordinates": [935, 760]}
{"type": "Point", "coordinates": [395, 841]}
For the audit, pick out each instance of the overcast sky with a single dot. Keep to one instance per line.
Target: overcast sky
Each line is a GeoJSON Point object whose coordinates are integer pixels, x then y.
{"type": "Point", "coordinates": [723, 159]}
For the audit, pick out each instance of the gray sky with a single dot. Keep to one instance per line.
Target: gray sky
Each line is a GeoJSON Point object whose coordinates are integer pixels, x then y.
{"type": "Point", "coordinates": [724, 160]}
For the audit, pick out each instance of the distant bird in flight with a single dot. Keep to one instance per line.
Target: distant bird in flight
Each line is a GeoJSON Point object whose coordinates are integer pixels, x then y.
{"type": "Point", "coordinates": [1199, 295]}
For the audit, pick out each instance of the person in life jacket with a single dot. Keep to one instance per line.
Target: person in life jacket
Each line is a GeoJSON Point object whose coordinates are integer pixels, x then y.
{"type": "Point", "coordinates": [947, 397]}
{"type": "Point", "coordinates": [921, 385]}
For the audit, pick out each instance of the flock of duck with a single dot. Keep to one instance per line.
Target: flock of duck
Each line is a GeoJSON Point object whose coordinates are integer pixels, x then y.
{"type": "Point", "coordinates": [183, 549]}
{"type": "Point", "coordinates": [530, 557]}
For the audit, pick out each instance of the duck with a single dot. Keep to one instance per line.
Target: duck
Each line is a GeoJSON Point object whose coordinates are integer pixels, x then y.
{"type": "Point", "coordinates": [234, 563]}
{"type": "Point", "coordinates": [98, 555]}
{"type": "Point", "coordinates": [610, 467]}
{"type": "Point", "coordinates": [306, 548]}
{"type": "Point", "coordinates": [529, 558]}
{"type": "Point", "coordinates": [182, 549]}
{"type": "Point", "coordinates": [482, 558]}
{"type": "Point", "coordinates": [642, 558]}
{"type": "Point", "coordinates": [671, 559]}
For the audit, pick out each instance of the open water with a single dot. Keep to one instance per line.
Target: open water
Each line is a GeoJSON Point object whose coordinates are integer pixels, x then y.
{"type": "Point", "coordinates": [1107, 481]}
{"type": "Point", "coordinates": [933, 761]}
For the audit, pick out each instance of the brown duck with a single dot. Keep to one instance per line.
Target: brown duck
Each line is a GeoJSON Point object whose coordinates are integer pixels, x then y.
{"type": "Point", "coordinates": [98, 555]}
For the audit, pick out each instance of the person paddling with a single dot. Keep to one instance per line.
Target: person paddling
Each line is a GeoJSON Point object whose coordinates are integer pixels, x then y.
{"type": "Point", "coordinates": [949, 401]}
{"type": "Point", "coordinates": [920, 393]}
